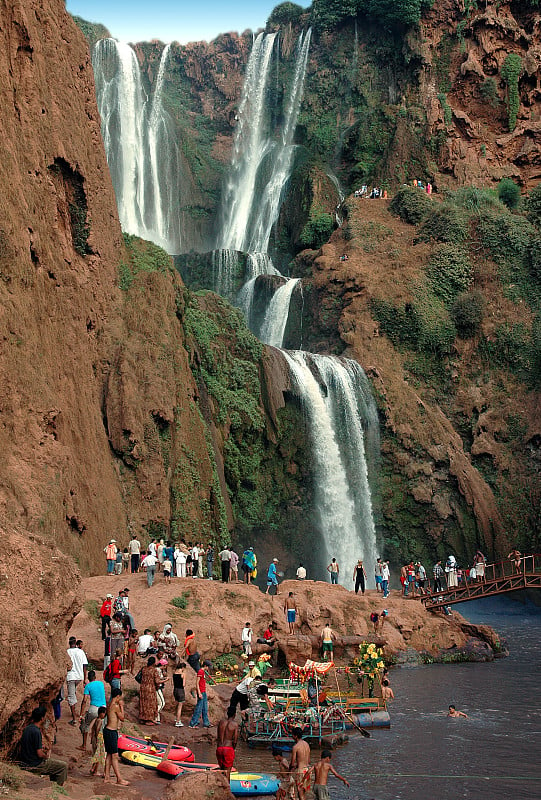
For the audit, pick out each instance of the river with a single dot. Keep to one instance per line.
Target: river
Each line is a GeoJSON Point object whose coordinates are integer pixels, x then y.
{"type": "Point", "coordinates": [492, 755]}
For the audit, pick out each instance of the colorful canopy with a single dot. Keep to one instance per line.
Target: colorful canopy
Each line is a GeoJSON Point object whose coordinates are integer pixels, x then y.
{"type": "Point", "coordinates": [310, 668]}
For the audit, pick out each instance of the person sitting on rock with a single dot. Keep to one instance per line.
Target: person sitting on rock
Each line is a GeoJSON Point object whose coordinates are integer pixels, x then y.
{"type": "Point", "coordinates": [33, 755]}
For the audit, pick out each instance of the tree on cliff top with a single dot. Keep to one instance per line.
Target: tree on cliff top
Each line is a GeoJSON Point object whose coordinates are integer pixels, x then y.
{"type": "Point", "coordinates": [327, 14]}
{"type": "Point", "coordinates": [284, 14]}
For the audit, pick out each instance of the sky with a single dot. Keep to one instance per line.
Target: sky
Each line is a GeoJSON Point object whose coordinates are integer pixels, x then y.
{"type": "Point", "coordinates": [174, 20]}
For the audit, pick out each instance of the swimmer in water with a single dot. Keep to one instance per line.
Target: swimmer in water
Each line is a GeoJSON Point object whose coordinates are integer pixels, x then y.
{"type": "Point", "coordinates": [454, 713]}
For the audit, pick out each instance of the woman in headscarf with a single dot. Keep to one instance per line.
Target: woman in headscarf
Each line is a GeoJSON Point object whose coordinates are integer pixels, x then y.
{"type": "Point", "coordinates": [169, 642]}
{"type": "Point", "coordinates": [148, 700]}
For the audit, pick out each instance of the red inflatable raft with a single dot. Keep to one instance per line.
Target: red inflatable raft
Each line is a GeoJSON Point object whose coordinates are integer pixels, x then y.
{"type": "Point", "coordinates": [151, 748]}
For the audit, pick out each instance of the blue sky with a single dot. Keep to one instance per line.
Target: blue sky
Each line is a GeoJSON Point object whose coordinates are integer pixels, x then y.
{"type": "Point", "coordinates": [174, 20]}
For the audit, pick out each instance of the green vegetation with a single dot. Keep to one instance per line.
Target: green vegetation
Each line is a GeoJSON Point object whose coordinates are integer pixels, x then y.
{"type": "Point", "coordinates": [284, 14]}
{"type": "Point", "coordinates": [467, 313]}
{"type": "Point", "coordinates": [80, 228]}
{"type": "Point", "coordinates": [141, 256]}
{"type": "Point", "coordinates": [450, 271]}
{"type": "Point", "coordinates": [411, 204]}
{"type": "Point", "coordinates": [182, 601]}
{"type": "Point", "coordinates": [509, 193]}
{"type": "Point", "coordinates": [489, 91]}
{"type": "Point", "coordinates": [532, 206]}
{"type": "Point", "coordinates": [92, 609]}
{"type": "Point", "coordinates": [317, 230]}
{"type": "Point", "coordinates": [446, 108]}
{"type": "Point", "coordinates": [512, 67]}
{"type": "Point", "coordinates": [92, 30]}
{"type": "Point", "coordinates": [328, 14]}
{"type": "Point", "coordinates": [444, 223]}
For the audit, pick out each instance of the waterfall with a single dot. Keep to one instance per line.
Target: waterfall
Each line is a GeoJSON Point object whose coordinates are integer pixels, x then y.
{"type": "Point", "coordinates": [256, 265]}
{"type": "Point", "coordinates": [225, 266]}
{"type": "Point", "coordinates": [249, 147]}
{"type": "Point", "coordinates": [268, 205]}
{"type": "Point", "coordinates": [274, 324]}
{"type": "Point", "coordinates": [343, 498]}
{"type": "Point", "coordinates": [121, 103]}
{"type": "Point", "coordinates": [140, 149]}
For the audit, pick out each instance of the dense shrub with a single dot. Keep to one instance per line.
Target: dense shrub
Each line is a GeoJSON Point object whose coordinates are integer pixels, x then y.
{"type": "Point", "coordinates": [444, 223]}
{"type": "Point", "coordinates": [489, 91]}
{"type": "Point", "coordinates": [423, 325]}
{"type": "Point", "coordinates": [317, 230]}
{"type": "Point", "coordinates": [509, 193]}
{"type": "Point", "coordinates": [284, 14]}
{"type": "Point", "coordinates": [467, 313]}
{"type": "Point", "coordinates": [534, 258]}
{"type": "Point", "coordinates": [411, 205]}
{"type": "Point", "coordinates": [473, 199]}
{"type": "Point", "coordinates": [533, 205]}
{"type": "Point", "coordinates": [450, 271]}
{"type": "Point", "coordinates": [505, 237]}
{"type": "Point", "coordinates": [512, 67]}
{"type": "Point", "coordinates": [436, 332]}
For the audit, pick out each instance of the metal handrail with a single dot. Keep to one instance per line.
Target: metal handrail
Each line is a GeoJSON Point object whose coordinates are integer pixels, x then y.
{"type": "Point", "coordinates": [529, 565]}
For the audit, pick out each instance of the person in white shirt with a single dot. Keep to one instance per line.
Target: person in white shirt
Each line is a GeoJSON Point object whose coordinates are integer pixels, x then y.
{"type": "Point", "coordinates": [180, 562]}
{"type": "Point", "coordinates": [134, 549]}
{"type": "Point", "coordinates": [246, 638]}
{"type": "Point", "coordinates": [149, 562]}
{"type": "Point", "coordinates": [225, 559]}
{"type": "Point", "coordinates": [144, 642]}
{"type": "Point", "coordinates": [385, 576]}
{"type": "Point", "coordinates": [240, 695]}
{"type": "Point", "coordinates": [301, 573]}
{"type": "Point", "coordinates": [76, 674]}
{"type": "Point", "coordinates": [195, 560]}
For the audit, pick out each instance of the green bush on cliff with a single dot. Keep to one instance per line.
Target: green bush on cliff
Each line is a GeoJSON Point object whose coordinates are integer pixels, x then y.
{"type": "Point", "coordinates": [474, 199]}
{"type": "Point", "coordinates": [532, 205]}
{"type": "Point", "coordinates": [424, 325]}
{"type": "Point", "coordinates": [512, 67]}
{"type": "Point", "coordinates": [444, 223]}
{"type": "Point", "coordinates": [141, 256]}
{"type": "Point", "coordinates": [317, 230]}
{"type": "Point", "coordinates": [534, 258]}
{"type": "Point", "coordinates": [509, 193]}
{"type": "Point", "coordinates": [467, 313]}
{"type": "Point", "coordinates": [284, 14]}
{"type": "Point", "coordinates": [505, 238]}
{"type": "Point", "coordinates": [411, 205]}
{"type": "Point", "coordinates": [450, 271]}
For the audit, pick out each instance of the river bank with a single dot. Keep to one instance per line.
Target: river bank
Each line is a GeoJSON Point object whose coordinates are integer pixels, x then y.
{"type": "Point", "coordinates": [217, 612]}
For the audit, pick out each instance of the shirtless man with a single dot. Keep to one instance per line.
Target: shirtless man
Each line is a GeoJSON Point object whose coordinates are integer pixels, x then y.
{"type": "Point", "coordinates": [300, 763]}
{"type": "Point", "coordinates": [327, 637]}
{"type": "Point", "coordinates": [115, 715]}
{"type": "Point", "coordinates": [190, 651]}
{"type": "Point", "coordinates": [286, 788]}
{"type": "Point", "coordinates": [515, 556]}
{"type": "Point", "coordinates": [228, 736]}
{"type": "Point", "coordinates": [454, 713]}
{"type": "Point", "coordinates": [322, 769]}
{"type": "Point", "coordinates": [386, 691]}
{"type": "Point", "coordinates": [290, 610]}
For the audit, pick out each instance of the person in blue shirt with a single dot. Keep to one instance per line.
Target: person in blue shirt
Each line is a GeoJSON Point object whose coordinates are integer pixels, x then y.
{"type": "Point", "coordinates": [272, 577]}
{"type": "Point", "coordinates": [93, 699]}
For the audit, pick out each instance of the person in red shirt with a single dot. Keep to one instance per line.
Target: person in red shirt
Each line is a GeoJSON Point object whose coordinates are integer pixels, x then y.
{"type": "Point", "coordinates": [105, 614]}
{"type": "Point", "coordinates": [202, 706]}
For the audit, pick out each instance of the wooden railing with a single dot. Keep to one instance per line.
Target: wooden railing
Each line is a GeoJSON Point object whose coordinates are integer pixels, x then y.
{"type": "Point", "coordinates": [499, 578]}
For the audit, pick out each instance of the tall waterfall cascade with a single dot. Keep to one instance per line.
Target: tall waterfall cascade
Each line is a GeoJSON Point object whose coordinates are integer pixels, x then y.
{"type": "Point", "coordinates": [342, 492]}
{"type": "Point", "coordinates": [261, 165]}
{"type": "Point", "coordinates": [140, 148]}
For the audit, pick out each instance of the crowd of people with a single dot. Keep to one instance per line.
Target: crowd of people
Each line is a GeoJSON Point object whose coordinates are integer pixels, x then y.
{"type": "Point", "coordinates": [373, 194]}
